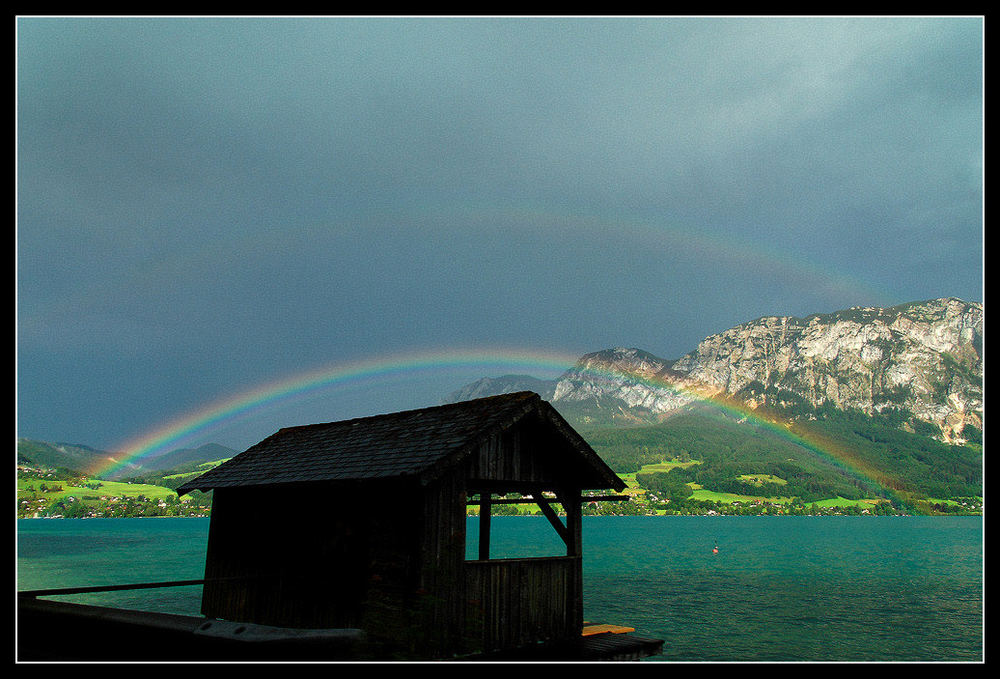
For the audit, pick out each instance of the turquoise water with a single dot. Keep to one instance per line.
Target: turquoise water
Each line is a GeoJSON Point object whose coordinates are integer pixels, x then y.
{"type": "Point", "coordinates": [779, 588]}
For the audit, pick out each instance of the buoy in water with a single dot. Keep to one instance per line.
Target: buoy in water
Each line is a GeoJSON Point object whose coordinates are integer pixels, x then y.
{"type": "Point", "coordinates": [715, 550]}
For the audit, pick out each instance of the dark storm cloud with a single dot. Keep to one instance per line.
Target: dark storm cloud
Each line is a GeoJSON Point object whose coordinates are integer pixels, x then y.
{"type": "Point", "coordinates": [204, 204]}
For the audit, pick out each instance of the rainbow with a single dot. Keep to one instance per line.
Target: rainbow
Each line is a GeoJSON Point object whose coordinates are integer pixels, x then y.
{"type": "Point", "coordinates": [186, 429]}
{"type": "Point", "coordinates": [826, 448]}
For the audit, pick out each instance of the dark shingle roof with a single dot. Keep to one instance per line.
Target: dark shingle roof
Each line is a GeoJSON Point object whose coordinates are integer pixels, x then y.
{"type": "Point", "coordinates": [410, 443]}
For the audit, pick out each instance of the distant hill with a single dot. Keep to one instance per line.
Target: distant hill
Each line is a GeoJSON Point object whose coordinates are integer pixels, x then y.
{"type": "Point", "coordinates": [209, 452]}
{"type": "Point", "coordinates": [70, 456]}
{"type": "Point", "coordinates": [80, 458]}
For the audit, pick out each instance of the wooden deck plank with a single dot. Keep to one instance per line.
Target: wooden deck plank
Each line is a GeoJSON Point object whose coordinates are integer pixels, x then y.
{"type": "Point", "coordinates": [590, 630]}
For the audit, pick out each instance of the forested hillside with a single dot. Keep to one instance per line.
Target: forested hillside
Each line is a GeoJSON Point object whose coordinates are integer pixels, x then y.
{"type": "Point", "coordinates": [868, 457]}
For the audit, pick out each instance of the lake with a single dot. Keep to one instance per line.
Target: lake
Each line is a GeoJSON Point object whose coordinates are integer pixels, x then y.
{"type": "Point", "coordinates": [817, 589]}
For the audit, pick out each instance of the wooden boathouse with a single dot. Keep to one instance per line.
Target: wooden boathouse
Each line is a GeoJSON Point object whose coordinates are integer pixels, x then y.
{"type": "Point", "coordinates": [361, 524]}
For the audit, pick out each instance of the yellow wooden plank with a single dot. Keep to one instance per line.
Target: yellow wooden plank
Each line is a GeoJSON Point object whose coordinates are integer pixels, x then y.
{"type": "Point", "coordinates": [603, 629]}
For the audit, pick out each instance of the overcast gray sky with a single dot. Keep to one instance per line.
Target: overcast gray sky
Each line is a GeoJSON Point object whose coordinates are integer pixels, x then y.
{"type": "Point", "coordinates": [210, 204]}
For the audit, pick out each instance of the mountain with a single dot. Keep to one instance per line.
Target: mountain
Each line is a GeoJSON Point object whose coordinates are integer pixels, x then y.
{"type": "Point", "coordinates": [623, 386]}
{"type": "Point", "coordinates": [506, 384]}
{"type": "Point", "coordinates": [922, 358]}
{"type": "Point", "coordinates": [865, 404]}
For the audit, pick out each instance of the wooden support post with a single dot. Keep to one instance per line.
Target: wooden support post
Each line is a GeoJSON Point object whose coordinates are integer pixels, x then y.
{"type": "Point", "coordinates": [573, 504]}
{"type": "Point", "coordinates": [485, 509]}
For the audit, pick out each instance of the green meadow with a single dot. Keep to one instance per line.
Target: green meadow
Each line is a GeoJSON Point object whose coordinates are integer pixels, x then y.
{"type": "Point", "coordinates": [703, 494]}
{"type": "Point", "coordinates": [60, 490]}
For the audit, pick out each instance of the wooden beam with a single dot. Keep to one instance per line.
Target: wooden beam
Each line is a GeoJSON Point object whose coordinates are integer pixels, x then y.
{"type": "Point", "coordinates": [570, 532]}
{"type": "Point", "coordinates": [476, 485]}
{"type": "Point", "coordinates": [505, 501]}
{"type": "Point", "coordinates": [550, 514]}
{"type": "Point", "coordinates": [534, 500]}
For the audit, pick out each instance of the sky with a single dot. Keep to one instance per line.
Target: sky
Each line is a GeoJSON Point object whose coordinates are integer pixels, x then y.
{"type": "Point", "coordinates": [208, 207]}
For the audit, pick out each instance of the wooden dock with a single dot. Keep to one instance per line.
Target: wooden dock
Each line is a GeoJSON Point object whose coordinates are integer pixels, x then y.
{"type": "Point", "coordinates": [143, 636]}
{"type": "Point", "coordinates": [618, 646]}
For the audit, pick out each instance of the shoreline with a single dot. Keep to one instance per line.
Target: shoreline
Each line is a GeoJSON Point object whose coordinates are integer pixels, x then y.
{"type": "Point", "coordinates": [592, 516]}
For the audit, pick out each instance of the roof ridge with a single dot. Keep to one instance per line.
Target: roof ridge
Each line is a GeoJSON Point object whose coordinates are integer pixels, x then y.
{"type": "Point", "coordinates": [520, 395]}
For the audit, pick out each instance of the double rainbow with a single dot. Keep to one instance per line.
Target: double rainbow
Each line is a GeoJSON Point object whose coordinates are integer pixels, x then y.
{"type": "Point", "coordinates": [194, 426]}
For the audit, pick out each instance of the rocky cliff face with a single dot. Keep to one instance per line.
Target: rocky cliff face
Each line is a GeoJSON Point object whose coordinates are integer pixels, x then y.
{"type": "Point", "coordinates": [506, 384]}
{"type": "Point", "coordinates": [634, 378]}
{"type": "Point", "coordinates": [925, 357]}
